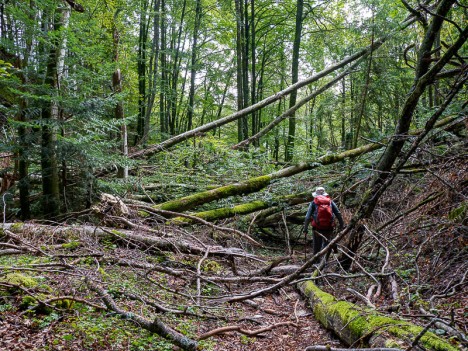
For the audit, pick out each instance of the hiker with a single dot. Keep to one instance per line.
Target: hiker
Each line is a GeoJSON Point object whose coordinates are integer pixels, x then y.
{"type": "Point", "coordinates": [323, 211]}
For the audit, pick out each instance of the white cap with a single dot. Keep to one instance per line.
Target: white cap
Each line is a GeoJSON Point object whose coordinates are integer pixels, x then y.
{"type": "Point", "coordinates": [319, 191]}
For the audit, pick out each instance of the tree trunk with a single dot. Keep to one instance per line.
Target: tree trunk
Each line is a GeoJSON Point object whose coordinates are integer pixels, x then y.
{"type": "Point", "coordinates": [175, 69]}
{"type": "Point", "coordinates": [193, 65]}
{"type": "Point", "coordinates": [163, 91]}
{"type": "Point", "coordinates": [365, 91]}
{"type": "Point", "coordinates": [363, 327]}
{"type": "Point", "coordinates": [154, 64]}
{"type": "Point", "coordinates": [289, 152]}
{"type": "Point", "coordinates": [49, 164]}
{"type": "Point", "coordinates": [246, 208]}
{"type": "Point", "coordinates": [119, 114]}
{"type": "Point", "coordinates": [242, 131]}
{"type": "Point", "coordinates": [292, 109]}
{"type": "Point", "coordinates": [142, 71]}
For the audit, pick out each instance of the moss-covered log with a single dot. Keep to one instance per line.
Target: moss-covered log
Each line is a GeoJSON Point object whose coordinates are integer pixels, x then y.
{"type": "Point", "coordinates": [359, 326]}
{"type": "Point", "coordinates": [246, 208]}
{"type": "Point", "coordinates": [258, 183]}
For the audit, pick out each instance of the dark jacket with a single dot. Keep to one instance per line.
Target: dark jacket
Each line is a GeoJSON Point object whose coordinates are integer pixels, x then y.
{"type": "Point", "coordinates": [311, 211]}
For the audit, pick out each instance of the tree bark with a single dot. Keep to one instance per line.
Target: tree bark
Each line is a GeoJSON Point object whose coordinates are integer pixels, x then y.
{"type": "Point", "coordinates": [142, 71]}
{"type": "Point", "coordinates": [119, 113]}
{"type": "Point", "coordinates": [148, 240]}
{"type": "Point", "coordinates": [49, 163]}
{"type": "Point", "coordinates": [246, 208]}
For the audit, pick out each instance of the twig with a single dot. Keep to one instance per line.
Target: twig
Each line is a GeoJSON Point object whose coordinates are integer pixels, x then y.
{"type": "Point", "coordinates": [442, 324]}
{"type": "Point", "coordinates": [288, 244]}
{"type": "Point", "coordinates": [453, 290]}
{"type": "Point", "coordinates": [295, 311]}
{"type": "Point", "coordinates": [432, 197]}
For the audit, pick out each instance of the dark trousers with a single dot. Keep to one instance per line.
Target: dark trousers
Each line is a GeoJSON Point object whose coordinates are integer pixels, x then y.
{"type": "Point", "coordinates": [321, 238]}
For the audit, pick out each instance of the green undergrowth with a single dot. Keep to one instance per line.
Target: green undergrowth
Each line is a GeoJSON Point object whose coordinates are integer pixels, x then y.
{"type": "Point", "coordinates": [189, 170]}
{"type": "Point", "coordinates": [93, 331]}
{"type": "Point", "coordinates": [72, 325]}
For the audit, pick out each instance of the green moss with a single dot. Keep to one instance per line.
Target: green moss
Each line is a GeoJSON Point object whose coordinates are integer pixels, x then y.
{"type": "Point", "coordinates": [17, 227]}
{"type": "Point", "coordinates": [211, 266]}
{"type": "Point", "coordinates": [27, 301]}
{"type": "Point", "coordinates": [66, 304]}
{"type": "Point", "coordinates": [143, 214]}
{"type": "Point", "coordinates": [226, 212]}
{"type": "Point", "coordinates": [71, 245]}
{"type": "Point", "coordinates": [20, 279]}
{"type": "Point", "coordinates": [118, 233]}
{"type": "Point", "coordinates": [32, 302]}
{"type": "Point", "coordinates": [458, 214]}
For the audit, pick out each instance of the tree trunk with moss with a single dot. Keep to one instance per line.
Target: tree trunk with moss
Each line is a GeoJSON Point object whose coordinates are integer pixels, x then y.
{"type": "Point", "coordinates": [258, 183]}
{"type": "Point", "coordinates": [363, 327]}
{"type": "Point", "coordinates": [246, 208]}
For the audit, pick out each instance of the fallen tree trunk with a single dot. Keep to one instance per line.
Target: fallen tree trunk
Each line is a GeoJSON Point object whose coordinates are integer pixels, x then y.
{"type": "Point", "coordinates": [164, 244]}
{"type": "Point", "coordinates": [246, 208]}
{"type": "Point", "coordinates": [360, 327]}
{"type": "Point", "coordinates": [258, 183]}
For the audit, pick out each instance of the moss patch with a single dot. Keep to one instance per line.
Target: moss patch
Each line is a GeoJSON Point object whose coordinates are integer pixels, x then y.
{"type": "Point", "coordinates": [20, 279]}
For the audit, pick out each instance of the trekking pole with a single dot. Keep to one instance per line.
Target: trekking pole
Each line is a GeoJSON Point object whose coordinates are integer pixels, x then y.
{"type": "Point", "coordinates": [305, 245]}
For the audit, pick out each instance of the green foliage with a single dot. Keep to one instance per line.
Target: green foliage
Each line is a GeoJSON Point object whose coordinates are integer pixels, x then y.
{"type": "Point", "coordinates": [4, 69]}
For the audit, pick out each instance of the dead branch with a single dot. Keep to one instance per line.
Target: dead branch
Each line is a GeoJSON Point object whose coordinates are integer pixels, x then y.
{"type": "Point", "coordinates": [291, 277]}
{"type": "Point", "coordinates": [258, 183]}
{"type": "Point", "coordinates": [430, 198]}
{"type": "Point", "coordinates": [247, 332]}
{"type": "Point", "coordinates": [420, 335]}
{"type": "Point", "coordinates": [444, 325]}
{"type": "Point", "coordinates": [200, 262]}
{"type": "Point", "coordinates": [362, 297]}
{"type": "Point", "coordinates": [328, 348]}
{"type": "Point", "coordinates": [450, 290]}
{"type": "Point", "coordinates": [151, 241]}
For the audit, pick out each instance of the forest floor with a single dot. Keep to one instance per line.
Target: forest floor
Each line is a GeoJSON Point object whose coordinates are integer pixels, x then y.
{"type": "Point", "coordinates": [78, 326]}
{"type": "Point", "coordinates": [54, 279]}
{"type": "Point", "coordinates": [26, 324]}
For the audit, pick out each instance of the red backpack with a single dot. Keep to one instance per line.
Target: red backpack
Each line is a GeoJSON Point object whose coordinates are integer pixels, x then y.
{"type": "Point", "coordinates": [323, 217]}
